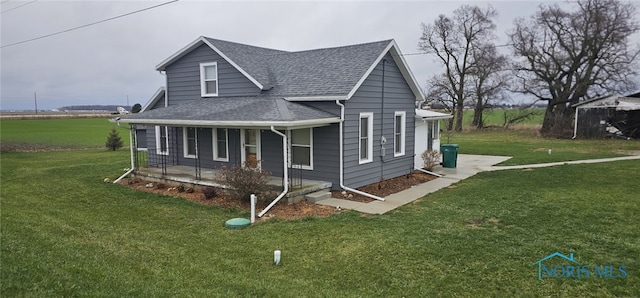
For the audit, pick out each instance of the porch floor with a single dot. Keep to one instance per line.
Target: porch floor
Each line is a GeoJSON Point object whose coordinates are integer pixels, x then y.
{"type": "Point", "coordinates": [187, 174]}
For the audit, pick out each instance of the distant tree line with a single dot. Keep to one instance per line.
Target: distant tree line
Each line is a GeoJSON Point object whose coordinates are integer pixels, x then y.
{"type": "Point", "coordinates": [558, 57]}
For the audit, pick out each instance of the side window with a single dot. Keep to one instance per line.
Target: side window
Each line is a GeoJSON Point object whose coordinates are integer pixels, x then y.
{"type": "Point", "coordinates": [399, 133]}
{"type": "Point", "coordinates": [302, 148]}
{"type": "Point", "coordinates": [366, 138]}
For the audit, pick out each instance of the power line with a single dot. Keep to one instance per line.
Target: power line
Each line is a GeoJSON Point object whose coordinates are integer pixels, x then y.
{"type": "Point", "coordinates": [87, 25]}
{"type": "Point", "coordinates": [10, 9]}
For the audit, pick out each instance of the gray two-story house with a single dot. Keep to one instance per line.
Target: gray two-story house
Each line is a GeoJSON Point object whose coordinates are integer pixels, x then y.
{"type": "Point", "coordinates": [344, 115]}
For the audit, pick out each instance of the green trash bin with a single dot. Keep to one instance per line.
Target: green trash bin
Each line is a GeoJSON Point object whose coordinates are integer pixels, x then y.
{"type": "Point", "coordinates": [449, 155]}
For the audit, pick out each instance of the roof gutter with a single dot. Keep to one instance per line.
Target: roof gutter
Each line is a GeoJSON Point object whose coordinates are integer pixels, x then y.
{"type": "Point", "coordinates": [285, 158]}
{"type": "Point", "coordinates": [178, 122]}
{"type": "Point", "coordinates": [342, 160]}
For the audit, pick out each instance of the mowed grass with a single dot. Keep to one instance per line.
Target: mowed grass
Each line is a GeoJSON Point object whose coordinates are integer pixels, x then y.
{"type": "Point", "coordinates": [66, 233]}
{"type": "Point", "coordinates": [55, 134]}
{"type": "Point", "coordinates": [527, 147]}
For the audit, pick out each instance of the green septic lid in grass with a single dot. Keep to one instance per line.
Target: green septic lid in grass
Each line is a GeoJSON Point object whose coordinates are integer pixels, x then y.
{"type": "Point", "coordinates": [237, 223]}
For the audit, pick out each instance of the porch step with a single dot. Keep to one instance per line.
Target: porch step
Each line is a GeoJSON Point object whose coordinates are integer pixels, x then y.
{"type": "Point", "coordinates": [318, 196]}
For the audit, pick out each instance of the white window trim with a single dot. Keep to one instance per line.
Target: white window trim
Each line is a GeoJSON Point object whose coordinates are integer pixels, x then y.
{"type": "Point", "coordinates": [369, 158]}
{"type": "Point", "coordinates": [158, 145]}
{"type": "Point", "coordinates": [403, 133]}
{"type": "Point", "coordinates": [203, 88]}
{"type": "Point", "coordinates": [310, 166]}
{"type": "Point", "coordinates": [215, 144]}
{"type": "Point", "coordinates": [185, 142]}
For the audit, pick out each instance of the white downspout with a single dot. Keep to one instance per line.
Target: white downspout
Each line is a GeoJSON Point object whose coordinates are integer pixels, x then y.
{"type": "Point", "coordinates": [133, 163]}
{"type": "Point", "coordinates": [285, 158]}
{"type": "Point", "coordinates": [575, 125]}
{"type": "Point", "coordinates": [429, 172]}
{"type": "Point", "coordinates": [342, 162]}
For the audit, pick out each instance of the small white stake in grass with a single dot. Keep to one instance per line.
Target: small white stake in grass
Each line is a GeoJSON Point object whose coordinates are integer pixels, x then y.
{"type": "Point", "coordinates": [549, 151]}
{"type": "Point", "coordinates": [276, 257]}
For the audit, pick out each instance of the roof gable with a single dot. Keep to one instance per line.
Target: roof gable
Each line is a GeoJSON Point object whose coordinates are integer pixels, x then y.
{"type": "Point", "coordinates": [159, 95]}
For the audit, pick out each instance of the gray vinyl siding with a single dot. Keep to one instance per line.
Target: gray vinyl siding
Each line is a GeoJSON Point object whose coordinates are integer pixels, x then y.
{"type": "Point", "coordinates": [368, 98]}
{"type": "Point", "coordinates": [205, 148]}
{"type": "Point", "coordinates": [183, 77]}
{"type": "Point", "coordinates": [325, 154]}
{"type": "Point", "coordinates": [271, 154]}
{"type": "Point", "coordinates": [155, 159]}
{"type": "Point", "coordinates": [158, 104]}
{"type": "Point", "coordinates": [141, 137]}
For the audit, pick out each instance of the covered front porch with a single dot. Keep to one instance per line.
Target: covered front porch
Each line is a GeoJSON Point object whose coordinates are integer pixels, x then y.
{"type": "Point", "coordinates": [181, 174]}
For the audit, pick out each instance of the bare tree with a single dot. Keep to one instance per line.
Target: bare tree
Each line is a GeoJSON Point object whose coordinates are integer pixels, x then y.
{"type": "Point", "coordinates": [489, 78]}
{"type": "Point", "coordinates": [570, 56]}
{"type": "Point", "coordinates": [439, 91]}
{"type": "Point", "coordinates": [452, 41]}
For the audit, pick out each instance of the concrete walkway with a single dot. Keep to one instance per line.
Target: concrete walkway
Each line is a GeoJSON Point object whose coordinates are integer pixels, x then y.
{"type": "Point", "coordinates": [467, 166]}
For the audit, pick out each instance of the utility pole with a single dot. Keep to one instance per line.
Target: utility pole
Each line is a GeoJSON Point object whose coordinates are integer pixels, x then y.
{"type": "Point", "coordinates": [35, 99]}
{"type": "Point", "coordinates": [128, 107]}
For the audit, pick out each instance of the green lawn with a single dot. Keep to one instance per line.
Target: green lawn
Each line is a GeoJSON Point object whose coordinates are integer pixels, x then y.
{"type": "Point", "coordinates": [46, 134]}
{"type": "Point", "coordinates": [527, 147]}
{"type": "Point", "coordinates": [64, 232]}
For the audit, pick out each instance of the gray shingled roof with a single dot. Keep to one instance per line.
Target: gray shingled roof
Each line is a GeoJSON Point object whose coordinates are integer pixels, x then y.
{"type": "Point", "coordinates": [236, 110]}
{"type": "Point", "coordinates": [320, 72]}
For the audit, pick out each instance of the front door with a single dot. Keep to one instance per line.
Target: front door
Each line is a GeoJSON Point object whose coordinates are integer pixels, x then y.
{"type": "Point", "coordinates": [250, 144]}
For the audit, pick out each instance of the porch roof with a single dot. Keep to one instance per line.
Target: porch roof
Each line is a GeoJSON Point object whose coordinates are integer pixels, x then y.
{"type": "Point", "coordinates": [235, 112]}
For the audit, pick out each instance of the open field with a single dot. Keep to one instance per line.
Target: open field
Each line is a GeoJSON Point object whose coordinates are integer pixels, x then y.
{"type": "Point", "coordinates": [66, 233]}
{"type": "Point", "coordinates": [56, 134]}
{"type": "Point", "coordinates": [8, 115]}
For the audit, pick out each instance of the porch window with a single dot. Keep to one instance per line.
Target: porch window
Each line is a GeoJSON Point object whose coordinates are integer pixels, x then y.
{"type": "Point", "coordinates": [220, 144]}
{"type": "Point", "coordinates": [209, 79]}
{"type": "Point", "coordinates": [366, 137]}
{"type": "Point", "coordinates": [302, 148]}
{"type": "Point", "coordinates": [436, 129]}
{"type": "Point", "coordinates": [162, 140]}
{"type": "Point", "coordinates": [399, 133]}
{"type": "Point", "coordinates": [190, 142]}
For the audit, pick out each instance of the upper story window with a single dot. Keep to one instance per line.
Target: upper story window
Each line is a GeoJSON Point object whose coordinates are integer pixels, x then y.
{"type": "Point", "coordinates": [209, 79]}
{"type": "Point", "coordinates": [399, 133]}
{"type": "Point", "coordinates": [366, 137]}
{"type": "Point", "coordinates": [302, 148]}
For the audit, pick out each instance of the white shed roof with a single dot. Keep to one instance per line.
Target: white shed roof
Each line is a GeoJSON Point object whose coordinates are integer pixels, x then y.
{"type": "Point", "coordinates": [431, 115]}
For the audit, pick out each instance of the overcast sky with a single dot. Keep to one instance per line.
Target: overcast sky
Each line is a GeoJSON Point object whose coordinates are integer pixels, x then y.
{"type": "Point", "coordinates": [106, 62]}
